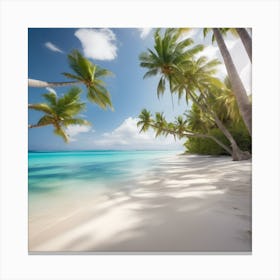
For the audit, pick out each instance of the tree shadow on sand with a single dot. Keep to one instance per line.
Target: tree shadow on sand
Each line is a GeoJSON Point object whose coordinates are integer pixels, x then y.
{"type": "Point", "coordinates": [193, 205]}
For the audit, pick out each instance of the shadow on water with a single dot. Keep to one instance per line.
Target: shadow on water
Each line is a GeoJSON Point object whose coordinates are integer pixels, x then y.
{"type": "Point", "coordinates": [83, 171]}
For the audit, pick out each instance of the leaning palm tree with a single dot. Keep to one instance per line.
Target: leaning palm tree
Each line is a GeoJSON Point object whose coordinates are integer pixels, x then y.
{"type": "Point", "coordinates": [90, 75]}
{"type": "Point", "coordinates": [87, 73]}
{"type": "Point", "coordinates": [178, 129]}
{"type": "Point", "coordinates": [198, 84]}
{"type": "Point", "coordinates": [185, 75]}
{"type": "Point", "coordinates": [60, 112]}
{"type": "Point", "coordinates": [237, 85]}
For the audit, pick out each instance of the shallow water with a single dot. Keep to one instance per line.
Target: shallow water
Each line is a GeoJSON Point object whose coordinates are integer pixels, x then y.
{"type": "Point", "coordinates": [54, 173]}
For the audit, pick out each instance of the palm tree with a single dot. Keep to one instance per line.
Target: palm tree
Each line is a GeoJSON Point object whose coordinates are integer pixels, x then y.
{"type": "Point", "coordinates": [145, 120]}
{"type": "Point", "coordinates": [243, 102]}
{"type": "Point", "coordinates": [167, 56]}
{"type": "Point", "coordinates": [177, 129]}
{"type": "Point", "coordinates": [90, 75]}
{"type": "Point", "coordinates": [185, 75]}
{"type": "Point", "coordinates": [43, 84]}
{"type": "Point", "coordinates": [87, 73]}
{"type": "Point", "coordinates": [60, 112]}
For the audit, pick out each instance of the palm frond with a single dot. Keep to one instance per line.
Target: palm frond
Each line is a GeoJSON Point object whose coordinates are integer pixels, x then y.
{"type": "Point", "coordinates": [72, 76]}
{"type": "Point", "coordinates": [100, 96]}
{"type": "Point", "coordinates": [51, 98]}
{"type": "Point", "coordinates": [42, 107]}
{"type": "Point", "coordinates": [161, 87]}
{"type": "Point", "coordinates": [74, 121]}
{"type": "Point", "coordinates": [60, 132]}
{"type": "Point", "coordinates": [84, 68]}
{"type": "Point", "coordinates": [102, 72]}
{"type": "Point", "coordinates": [46, 120]}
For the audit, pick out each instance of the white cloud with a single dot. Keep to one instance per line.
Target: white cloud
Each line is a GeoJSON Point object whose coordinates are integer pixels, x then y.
{"type": "Point", "coordinates": [74, 130]}
{"type": "Point", "coordinates": [189, 33]}
{"type": "Point", "coordinates": [127, 136]}
{"type": "Point", "coordinates": [144, 32]}
{"type": "Point", "coordinates": [53, 47]}
{"type": "Point", "coordinates": [98, 44]}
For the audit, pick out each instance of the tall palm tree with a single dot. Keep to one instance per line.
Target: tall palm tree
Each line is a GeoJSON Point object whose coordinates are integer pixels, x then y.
{"type": "Point", "coordinates": [60, 112]}
{"type": "Point", "coordinates": [237, 85]}
{"type": "Point", "coordinates": [87, 73]}
{"type": "Point", "coordinates": [185, 75]}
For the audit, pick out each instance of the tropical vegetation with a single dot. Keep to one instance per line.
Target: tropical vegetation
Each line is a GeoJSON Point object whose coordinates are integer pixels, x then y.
{"type": "Point", "coordinates": [243, 101]}
{"type": "Point", "coordinates": [192, 77]}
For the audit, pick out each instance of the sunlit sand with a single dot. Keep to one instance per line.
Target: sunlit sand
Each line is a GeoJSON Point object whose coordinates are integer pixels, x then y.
{"type": "Point", "coordinates": [186, 204]}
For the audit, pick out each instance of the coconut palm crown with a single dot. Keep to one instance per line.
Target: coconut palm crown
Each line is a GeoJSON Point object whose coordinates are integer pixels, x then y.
{"type": "Point", "coordinates": [90, 75]}
{"type": "Point", "coordinates": [60, 112]}
{"type": "Point", "coordinates": [169, 53]}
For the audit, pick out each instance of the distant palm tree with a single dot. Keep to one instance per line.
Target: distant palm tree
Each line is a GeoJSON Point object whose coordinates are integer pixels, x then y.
{"type": "Point", "coordinates": [145, 120]}
{"type": "Point", "coordinates": [60, 112]}
{"type": "Point", "coordinates": [87, 73]}
{"type": "Point", "coordinates": [178, 129]}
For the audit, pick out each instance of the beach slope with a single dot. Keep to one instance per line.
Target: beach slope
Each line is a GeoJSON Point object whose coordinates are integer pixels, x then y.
{"type": "Point", "coordinates": [186, 203]}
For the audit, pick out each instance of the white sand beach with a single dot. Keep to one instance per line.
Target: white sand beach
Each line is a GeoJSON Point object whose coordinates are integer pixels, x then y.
{"type": "Point", "coordinates": [187, 203]}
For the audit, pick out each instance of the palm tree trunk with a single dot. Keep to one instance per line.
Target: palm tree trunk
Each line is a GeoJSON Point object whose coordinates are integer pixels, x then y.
{"type": "Point", "coordinates": [42, 84]}
{"type": "Point", "coordinates": [200, 135]}
{"type": "Point", "coordinates": [221, 144]}
{"type": "Point", "coordinates": [236, 153]}
{"type": "Point", "coordinates": [246, 40]}
{"type": "Point", "coordinates": [36, 125]}
{"type": "Point", "coordinates": [243, 102]}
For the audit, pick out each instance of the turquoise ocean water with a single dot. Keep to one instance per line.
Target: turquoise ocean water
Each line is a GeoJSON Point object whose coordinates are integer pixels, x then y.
{"type": "Point", "coordinates": [54, 173]}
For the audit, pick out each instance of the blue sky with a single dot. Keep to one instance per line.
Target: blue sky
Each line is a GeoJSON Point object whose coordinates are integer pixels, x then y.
{"type": "Point", "coordinates": [117, 50]}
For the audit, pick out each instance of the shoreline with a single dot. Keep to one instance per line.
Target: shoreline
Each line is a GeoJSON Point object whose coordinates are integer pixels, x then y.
{"type": "Point", "coordinates": [184, 204]}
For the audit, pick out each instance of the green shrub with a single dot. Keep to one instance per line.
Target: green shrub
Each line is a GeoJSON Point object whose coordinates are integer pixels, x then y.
{"type": "Point", "coordinates": [204, 146]}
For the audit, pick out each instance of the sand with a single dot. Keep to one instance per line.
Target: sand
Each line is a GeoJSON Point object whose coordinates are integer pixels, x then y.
{"type": "Point", "coordinates": [185, 204]}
